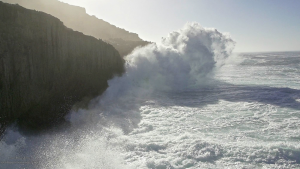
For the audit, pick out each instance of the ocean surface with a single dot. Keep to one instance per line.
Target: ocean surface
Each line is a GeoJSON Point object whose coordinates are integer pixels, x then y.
{"type": "Point", "coordinates": [243, 113]}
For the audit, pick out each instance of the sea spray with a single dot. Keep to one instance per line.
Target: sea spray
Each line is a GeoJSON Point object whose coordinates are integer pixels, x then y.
{"type": "Point", "coordinates": [185, 58]}
{"type": "Point", "coordinates": [95, 138]}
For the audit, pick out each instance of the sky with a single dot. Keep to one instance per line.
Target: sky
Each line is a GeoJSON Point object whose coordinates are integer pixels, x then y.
{"type": "Point", "coordinates": [255, 25]}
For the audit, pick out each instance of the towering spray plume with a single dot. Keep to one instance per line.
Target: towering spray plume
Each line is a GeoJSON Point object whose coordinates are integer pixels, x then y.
{"type": "Point", "coordinates": [183, 59]}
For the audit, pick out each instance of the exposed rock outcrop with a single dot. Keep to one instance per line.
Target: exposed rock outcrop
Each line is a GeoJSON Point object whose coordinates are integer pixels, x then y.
{"type": "Point", "coordinates": [76, 18]}
{"type": "Point", "coordinates": [46, 67]}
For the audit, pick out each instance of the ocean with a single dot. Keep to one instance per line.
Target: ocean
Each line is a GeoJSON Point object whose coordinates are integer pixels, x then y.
{"type": "Point", "coordinates": [189, 103]}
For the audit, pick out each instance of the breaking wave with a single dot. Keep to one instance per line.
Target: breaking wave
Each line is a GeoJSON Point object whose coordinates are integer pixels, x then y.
{"type": "Point", "coordinates": [95, 138]}
{"type": "Point", "coordinates": [184, 59]}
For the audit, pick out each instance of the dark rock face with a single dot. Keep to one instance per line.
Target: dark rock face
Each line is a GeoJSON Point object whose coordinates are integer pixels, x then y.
{"type": "Point", "coordinates": [76, 18]}
{"type": "Point", "coordinates": [46, 67]}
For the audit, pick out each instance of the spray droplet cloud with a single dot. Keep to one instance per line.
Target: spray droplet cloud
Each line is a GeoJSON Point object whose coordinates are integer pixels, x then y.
{"type": "Point", "coordinates": [183, 59]}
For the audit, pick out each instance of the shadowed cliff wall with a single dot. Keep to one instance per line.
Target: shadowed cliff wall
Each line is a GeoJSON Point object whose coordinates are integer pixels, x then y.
{"type": "Point", "coordinates": [76, 18]}
{"type": "Point", "coordinates": [46, 67]}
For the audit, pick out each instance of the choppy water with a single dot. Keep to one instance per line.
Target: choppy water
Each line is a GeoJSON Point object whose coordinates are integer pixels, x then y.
{"type": "Point", "coordinates": [246, 115]}
{"type": "Point", "coordinates": [250, 118]}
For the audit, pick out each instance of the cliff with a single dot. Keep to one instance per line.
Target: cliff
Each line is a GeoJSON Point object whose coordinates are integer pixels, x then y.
{"type": "Point", "coordinates": [76, 18]}
{"type": "Point", "coordinates": [46, 67]}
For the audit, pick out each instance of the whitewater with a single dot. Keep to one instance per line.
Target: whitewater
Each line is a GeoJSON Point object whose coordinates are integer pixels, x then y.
{"type": "Point", "coordinates": [187, 102]}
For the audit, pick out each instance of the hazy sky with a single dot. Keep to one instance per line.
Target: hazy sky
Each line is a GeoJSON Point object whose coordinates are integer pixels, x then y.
{"type": "Point", "coordinates": [256, 25]}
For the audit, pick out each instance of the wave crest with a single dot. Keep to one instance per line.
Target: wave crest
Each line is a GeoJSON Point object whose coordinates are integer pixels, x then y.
{"type": "Point", "coordinates": [182, 59]}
